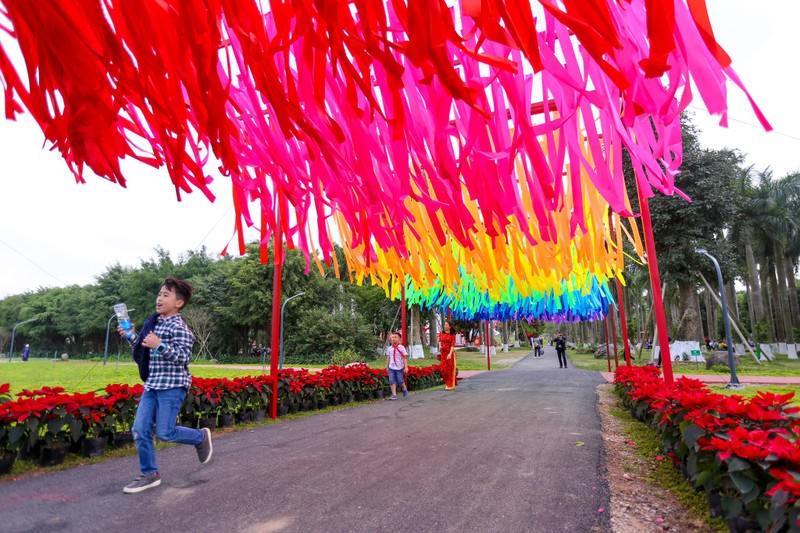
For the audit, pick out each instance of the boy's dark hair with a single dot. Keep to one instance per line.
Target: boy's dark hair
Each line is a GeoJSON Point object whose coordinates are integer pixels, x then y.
{"type": "Point", "coordinates": [183, 291]}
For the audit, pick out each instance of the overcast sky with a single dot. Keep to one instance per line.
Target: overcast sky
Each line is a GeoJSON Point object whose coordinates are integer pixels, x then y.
{"type": "Point", "coordinates": [55, 233]}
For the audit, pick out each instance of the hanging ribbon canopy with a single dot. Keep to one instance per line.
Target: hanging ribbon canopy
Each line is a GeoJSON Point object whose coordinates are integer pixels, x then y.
{"type": "Point", "coordinates": [571, 301]}
{"type": "Point", "coordinates": [478, 123]}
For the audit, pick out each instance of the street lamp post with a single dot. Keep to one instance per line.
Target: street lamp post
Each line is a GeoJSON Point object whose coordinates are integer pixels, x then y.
{"type": "Point", "coordinates": [108, 329]}
{"type": "Point", "coordinates": [734, 383]}
{"type": "Point", "coordinates": [280, 344]}
{"type": "Point", "coordinates": [13, 334]}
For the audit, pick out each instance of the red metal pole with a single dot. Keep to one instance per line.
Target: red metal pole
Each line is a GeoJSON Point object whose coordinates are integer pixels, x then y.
{"type": "Point", "coordinates": [277, 259]}
{"type": "Point", "coordinates": [655, 287]}
{"type": "Point", "coordinates": [623, 324]}
{"type": "Point", "coordinates": [403, 313]}
{"type": "Point", "coordinates": [614, 340]}
{"type": "Point", "coordinates": [608, 350]}
{"type": "Point", "coordinates": [488, 353]}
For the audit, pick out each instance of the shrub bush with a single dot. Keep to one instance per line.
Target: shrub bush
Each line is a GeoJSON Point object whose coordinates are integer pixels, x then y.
{"type": "Point", "coordinates": [322, 334]}
{"type": "Point", "coordinates": [344, 357]}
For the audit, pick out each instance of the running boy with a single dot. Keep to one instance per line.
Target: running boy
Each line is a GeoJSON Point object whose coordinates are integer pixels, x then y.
{"type": "Point", "coordinates": [162, 349]}
{"type": "Point", "coordinates": [397, 365]}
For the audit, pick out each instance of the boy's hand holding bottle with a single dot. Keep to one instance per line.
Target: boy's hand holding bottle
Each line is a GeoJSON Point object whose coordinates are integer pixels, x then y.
{"type": "Point", "coordinates": [125, 326]}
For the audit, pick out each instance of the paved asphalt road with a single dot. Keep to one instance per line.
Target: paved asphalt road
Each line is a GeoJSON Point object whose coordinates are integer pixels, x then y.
{"type": "Point", "coordinates": [500, 453]}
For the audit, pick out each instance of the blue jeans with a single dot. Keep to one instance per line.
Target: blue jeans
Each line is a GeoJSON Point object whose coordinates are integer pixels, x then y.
{"type": "Point", "coordinates": [160, 408]}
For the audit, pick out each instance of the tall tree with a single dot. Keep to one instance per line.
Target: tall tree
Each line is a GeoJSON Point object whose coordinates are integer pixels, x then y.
{"type": "Point", "coordinates": [709, 178]}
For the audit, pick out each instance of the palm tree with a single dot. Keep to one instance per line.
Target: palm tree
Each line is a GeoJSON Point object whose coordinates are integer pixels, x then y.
{"type": "Point", "coordinates": [765, 230]}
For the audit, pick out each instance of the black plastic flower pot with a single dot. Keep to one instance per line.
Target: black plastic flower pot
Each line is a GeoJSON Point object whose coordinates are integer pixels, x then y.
{"type": "Point", "coordinates": [31, 453]}
{"type": "Point", "coordinates": [225, 421]}
{"type": "Point", "coordinates": [7, 460]}
{"type": "Point", "coordinates": [742, 524]}
{"type": "Point", "coordinates": [76, 446]}
{"type": "Point", "coordinates": [210, 423]}
{"type": "Point", "coordinates": [295, 407]}
{"type": "Point", "coordinates": [306, 405]}
{"type": "Point", "coordinates": [244, 416]}
{"type": "Point", "coordinates": [715, 504]}
{"type": "Point", "coordinates": [283, 410]}
{"type": "Point", "coordinates": [53, 454]}
{"type": "Point", "coordinates": [259, 415]}
{"type": "Point", "coordinates": [190, 421]}
{"type": "Point", "coordinates": [94, 447]}
{"type": "Point", "coordinates": [122, 439]}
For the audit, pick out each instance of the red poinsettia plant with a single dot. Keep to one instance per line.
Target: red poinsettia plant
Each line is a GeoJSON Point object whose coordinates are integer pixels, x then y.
{"type": "Point", "coordinates": [124, 401]}
{"type": "Point", "coordinates": [746, 451]}
{"type": "Point", "coordinates": [94, 413]}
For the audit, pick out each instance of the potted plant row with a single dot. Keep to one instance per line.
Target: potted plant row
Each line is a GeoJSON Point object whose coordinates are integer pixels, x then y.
{"type": "Point", "coordinates": [744, 453]}
{"type": "Point", "coordinates": [43, 424]}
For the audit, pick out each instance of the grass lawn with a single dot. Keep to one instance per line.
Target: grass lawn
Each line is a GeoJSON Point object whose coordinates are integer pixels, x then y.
{"type": "Point", "coordinates": [782, 366]}
{"type": "Point", "coordinates": [751, 390]}
{"type": "Point", "coordinates": [82, 376]}
{"type": "Point", "coordinates": [77, 376]}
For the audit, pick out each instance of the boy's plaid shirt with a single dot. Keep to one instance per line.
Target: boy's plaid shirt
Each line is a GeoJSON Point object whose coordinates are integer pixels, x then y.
{"type": "Point", "coordinates": [170, 369]}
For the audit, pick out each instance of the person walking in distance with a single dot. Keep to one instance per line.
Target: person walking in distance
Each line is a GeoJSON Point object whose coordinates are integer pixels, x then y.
{"type": "Point", "coordinates": [447, 343]}
{"type": "Point", "coordinates": [537, 348]}
{"type": "Point", "coordinates": [162, 349]}
{"type": "Point", "coordinates": [561, 350]}
{"type": "Point", "coordinates": [397, 365]}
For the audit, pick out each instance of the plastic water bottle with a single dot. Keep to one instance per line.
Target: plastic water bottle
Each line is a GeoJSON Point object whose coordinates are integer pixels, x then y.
{"type": "Point", "coordinates": [121, 310]}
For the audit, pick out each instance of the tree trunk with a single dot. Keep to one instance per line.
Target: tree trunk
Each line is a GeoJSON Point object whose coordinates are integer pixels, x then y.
{"type": "Point", "coordinates": [689, 321]}
{"type": "Point", "coordinates": [783, 292]}
{"type": "Point", "coordinates": [755, 284]}
{"type": "Point", "coordinates": [793, 304]}
{"type": "Point", "coordinates": [711, 325]}
{"type": "Point", "coordinates": [775, 300]}
{"type": "Point", "coordinates": [696, 303]}
{"type": "Point", "coordinates": [434, 330]}
{"type": "Point", "coordinates": [750, 304]}
{"type": "Point", "coordinates": [767, 301]}
{"type": "Point", "coordinates": [416, 330]}
{"type": "Point", "coordinates": [733, 306]}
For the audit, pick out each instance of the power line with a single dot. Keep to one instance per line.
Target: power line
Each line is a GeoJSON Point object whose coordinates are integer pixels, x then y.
{"type": "Point", "coordinates": [31, 261]}
{"type": "Point", "coordinates": [744, 122]}
{"type": "Point", "coordinates": [224, 215]}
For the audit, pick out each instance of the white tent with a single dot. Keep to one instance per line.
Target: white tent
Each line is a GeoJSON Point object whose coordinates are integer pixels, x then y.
{"type": "Point", "coordinates": [686, 351]}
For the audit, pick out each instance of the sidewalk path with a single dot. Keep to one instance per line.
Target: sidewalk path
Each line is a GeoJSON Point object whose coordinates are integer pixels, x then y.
{"type": "Point", "coordinates": [515, 450]}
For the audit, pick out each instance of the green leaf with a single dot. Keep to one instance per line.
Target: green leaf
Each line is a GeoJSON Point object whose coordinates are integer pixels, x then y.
{"type": "Point", "coordinates": [16, 433]}
{"type": "Point", "coordinates": [743, 483]}
{"type": "Point", "coordinates": [778, 504]}
{"type": "Point", "coordinates": [75, 429]}
{"type": "Point", "coordinates": [732, 506]}
{"type": "Point", "coordinates": [691, 433]}
{"type": "Point", "coordinates": [579, 443]}
{"type": "Point", "coordinates": [55, 425]}
{"type": "Point", "coordinates": [703, 477]}
{"type": "Point", "coordinates": [737, 465]}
